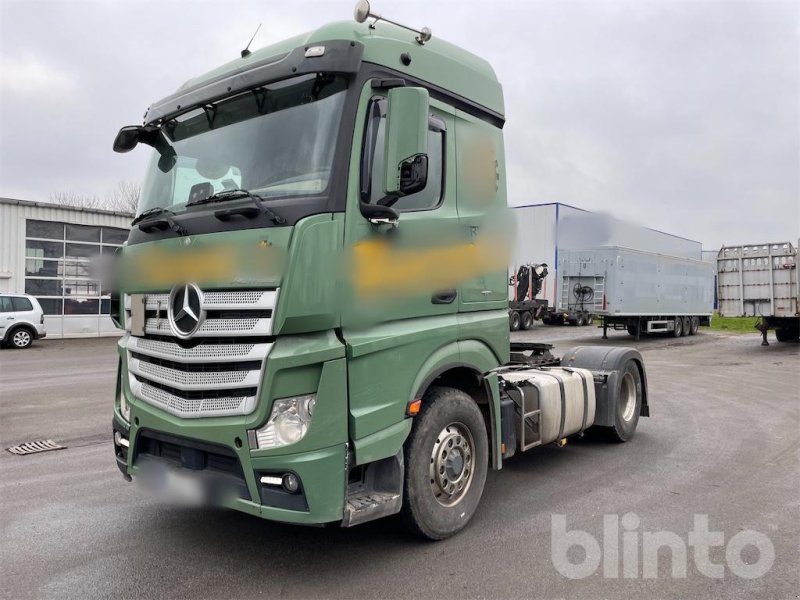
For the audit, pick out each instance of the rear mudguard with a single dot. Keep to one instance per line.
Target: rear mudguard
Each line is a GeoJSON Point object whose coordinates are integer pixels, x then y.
{"type": "Point", "coordinates": [607, 364]}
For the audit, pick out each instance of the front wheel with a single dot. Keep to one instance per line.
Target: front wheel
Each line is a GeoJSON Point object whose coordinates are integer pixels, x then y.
{"type": "Point", "coordinates": [447, 456]}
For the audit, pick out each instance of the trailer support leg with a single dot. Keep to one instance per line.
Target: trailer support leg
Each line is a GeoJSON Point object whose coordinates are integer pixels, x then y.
{"type": "Point", "coordinates": [638, 329]}
{"type": "Point", "coordinates": [605, 329]}
{"type": "Point", "coordinates": [762, 327]}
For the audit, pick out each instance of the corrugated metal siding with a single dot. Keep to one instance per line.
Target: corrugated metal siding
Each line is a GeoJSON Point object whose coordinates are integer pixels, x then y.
{"type": "Point", "coordinates": [13, 215]}
{"type": "Point", "coordinates": [545, 230]}
{"type": "Point", "coordinates": [579, 229]}
{"type": "Point", "coordinates": [535, 242]}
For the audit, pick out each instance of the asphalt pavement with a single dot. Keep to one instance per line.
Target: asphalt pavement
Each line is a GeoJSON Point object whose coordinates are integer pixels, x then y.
{"type": "Point", "coordinates": [721, 442]}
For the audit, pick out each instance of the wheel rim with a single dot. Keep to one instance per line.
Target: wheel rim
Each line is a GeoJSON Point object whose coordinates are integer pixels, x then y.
{"type": "Point", "coordinates": [452, 462]}
{"type": "Point", "coordinates": [22, 338]}
{"type": "Point", "coordinates": [627, 397]}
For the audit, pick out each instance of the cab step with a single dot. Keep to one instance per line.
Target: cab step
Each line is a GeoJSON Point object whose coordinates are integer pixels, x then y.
{"type": "Point", "coordinates": [369, 506]}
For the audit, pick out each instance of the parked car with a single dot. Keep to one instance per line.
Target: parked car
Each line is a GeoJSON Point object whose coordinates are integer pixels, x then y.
{"type": "Point", "coordinates": [21, 320]}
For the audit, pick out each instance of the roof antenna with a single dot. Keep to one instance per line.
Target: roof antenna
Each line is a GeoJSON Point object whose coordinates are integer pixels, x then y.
{"type": "Point", "coordinates": [246, 52]}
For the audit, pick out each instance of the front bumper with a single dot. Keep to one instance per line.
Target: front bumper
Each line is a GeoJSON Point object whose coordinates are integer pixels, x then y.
{"type": "Point", "coordinates": [232, 475]}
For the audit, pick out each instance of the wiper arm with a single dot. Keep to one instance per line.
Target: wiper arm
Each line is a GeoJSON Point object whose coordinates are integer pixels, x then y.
{"type": "Point", "coordinates": [158, 218]}
{"type": "Point", "coordinates": [150, 212]}
{"type": "Point", "coordinates": [238, 194]}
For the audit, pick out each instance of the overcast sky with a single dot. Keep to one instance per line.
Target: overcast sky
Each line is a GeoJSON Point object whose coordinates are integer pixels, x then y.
{"type": "Point", "coordinates": [680, 115]}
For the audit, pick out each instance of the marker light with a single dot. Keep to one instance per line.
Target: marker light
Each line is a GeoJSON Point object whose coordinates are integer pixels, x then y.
{"type": "Point", "coordinates": [288, 422]}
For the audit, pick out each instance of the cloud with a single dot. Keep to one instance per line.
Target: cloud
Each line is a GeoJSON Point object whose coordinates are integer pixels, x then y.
{"type": "Point", "coordinates": [678, 115]}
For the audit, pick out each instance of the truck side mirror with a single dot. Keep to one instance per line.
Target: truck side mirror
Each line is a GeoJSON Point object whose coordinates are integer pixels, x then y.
{"type": "Point", "coordinates": [406, 149]}
{"type": "Point", "coordinates": [127, 139]}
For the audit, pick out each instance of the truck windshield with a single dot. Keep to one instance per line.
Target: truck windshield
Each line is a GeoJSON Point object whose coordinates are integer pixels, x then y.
{"type": "Point", "coordinates": [277, 140]}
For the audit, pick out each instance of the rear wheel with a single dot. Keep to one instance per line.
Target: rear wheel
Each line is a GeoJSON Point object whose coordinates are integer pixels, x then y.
{"type": "Point", "coordinates": [526, 320]}
{"type": "Point", "coordinates": [695, 325]}
{"type": "Point", "coordinates": [629, 404]}
{"type": "Point", "coordinates": [21, 338]}
{"type": "Point", "coordinates": [447, 456]}
{"type": "Point", "coordinates": [513, 321]}
{"type": "Point", "coordinates": [581, 320]}
{"type": "Point", "coordinates": [678, 331]}
{"type": "Point", "coordinates": [687, 326]}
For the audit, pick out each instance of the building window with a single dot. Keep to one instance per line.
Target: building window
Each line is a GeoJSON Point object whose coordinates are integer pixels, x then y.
{"type": "Point", "coordinates": [58, 265]}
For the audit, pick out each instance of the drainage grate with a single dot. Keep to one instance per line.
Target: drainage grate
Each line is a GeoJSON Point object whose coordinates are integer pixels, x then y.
{"type": "Point", "coordinates": [34, 447]}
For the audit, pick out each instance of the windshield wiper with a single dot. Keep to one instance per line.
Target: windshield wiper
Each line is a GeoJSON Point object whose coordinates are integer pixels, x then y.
{"type": "Point", "coordinates": [149, 220]}
{"type": "Point", "coordinates": [238, 194]}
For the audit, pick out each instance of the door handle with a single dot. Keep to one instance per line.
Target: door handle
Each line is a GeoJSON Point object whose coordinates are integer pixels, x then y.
{"type": "Point", "coordinates": [444, 297]}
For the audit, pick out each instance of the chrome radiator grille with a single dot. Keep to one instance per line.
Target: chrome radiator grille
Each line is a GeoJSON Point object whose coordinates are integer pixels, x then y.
{"type": "Point", "coordinates": [215, 373]}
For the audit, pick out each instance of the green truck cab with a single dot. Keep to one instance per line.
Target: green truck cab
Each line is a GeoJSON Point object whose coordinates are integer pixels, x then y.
{"type": "Point", "coordinates": [314, 291]}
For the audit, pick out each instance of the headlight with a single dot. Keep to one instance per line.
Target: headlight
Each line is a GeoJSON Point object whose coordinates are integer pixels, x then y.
{"type": "Point", "coordinates": [288, 422]}
{"type": "Point", "coordinates": [124, 407]}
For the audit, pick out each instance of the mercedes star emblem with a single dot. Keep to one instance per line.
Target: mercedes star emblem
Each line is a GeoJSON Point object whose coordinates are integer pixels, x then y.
{"type": "Point", "coordinates": [185, 310]}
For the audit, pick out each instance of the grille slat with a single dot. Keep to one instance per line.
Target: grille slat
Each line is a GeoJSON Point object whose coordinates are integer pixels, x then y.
{"type": "Point", "coordinates": [218, 376]}
{"type": "Point", "coordinates": [201, 353]}
{"type": "Point", "coordinates": [193, 380]}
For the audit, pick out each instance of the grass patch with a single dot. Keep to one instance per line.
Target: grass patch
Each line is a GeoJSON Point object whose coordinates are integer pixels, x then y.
{"type": "Point", "coordinates": [734, 324]}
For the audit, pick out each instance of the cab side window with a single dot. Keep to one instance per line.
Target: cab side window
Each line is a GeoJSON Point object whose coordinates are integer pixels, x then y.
{"type": "Point", "coordinates": [5, 304]}
{"type": "Point", "coordinates": [373, 157]}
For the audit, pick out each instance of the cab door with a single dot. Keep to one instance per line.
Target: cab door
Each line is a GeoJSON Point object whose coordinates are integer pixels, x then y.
{"type": "Point", "coordinates": [425, 218]}
{"type": "Point", "coordinates": [391, 333]}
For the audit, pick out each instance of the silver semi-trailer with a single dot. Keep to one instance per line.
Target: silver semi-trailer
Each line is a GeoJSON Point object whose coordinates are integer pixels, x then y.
{"type": "Point", "coordinates": [639, 292]}
{"type": "Point", "coordinates": [760, 280]}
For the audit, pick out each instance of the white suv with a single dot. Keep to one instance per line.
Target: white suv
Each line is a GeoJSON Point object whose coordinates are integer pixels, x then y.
{"type": "Point", "coordinates": [21, 320]}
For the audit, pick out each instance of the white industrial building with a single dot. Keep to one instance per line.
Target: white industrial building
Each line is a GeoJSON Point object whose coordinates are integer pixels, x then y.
{"type": "Point", "coordinates": [46, 251]}
{"type": "Point", "coordinates": [545, 229]}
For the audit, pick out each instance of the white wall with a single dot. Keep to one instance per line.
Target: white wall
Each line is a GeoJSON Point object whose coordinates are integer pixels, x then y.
{"type": "Point", "coordinates": [13, 215]}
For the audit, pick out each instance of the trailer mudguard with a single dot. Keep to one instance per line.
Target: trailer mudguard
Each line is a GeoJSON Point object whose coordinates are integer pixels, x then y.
{"type": "Point", "coordinates": [606, 365]}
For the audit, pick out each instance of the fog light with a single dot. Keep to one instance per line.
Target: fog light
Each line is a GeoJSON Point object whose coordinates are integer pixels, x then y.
{"type": "Point", "coordinates": [288, 423]}
{"type": "Point", "coordinates": [291, 483]}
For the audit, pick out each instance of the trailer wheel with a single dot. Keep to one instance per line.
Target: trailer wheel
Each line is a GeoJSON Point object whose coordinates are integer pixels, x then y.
{"type": "Point", "coordinates": [787, 334]}
{"type": "Point", "coordinates": [678, 331]}
{"type": "Point", "coordinates": [447, 456]}
{"type": "Point", "coordinates": [513, 321]}
{"type": "Point", "coordinates": [590, 320]}
{"type": "Point", "coordinates": [695, 325]}
{"type": "Point", "coordinates": [687, 326]}
{"type": "Point", "coordinates": [629, 404]}
{"type": "Point", "coordinates": [526, 320]}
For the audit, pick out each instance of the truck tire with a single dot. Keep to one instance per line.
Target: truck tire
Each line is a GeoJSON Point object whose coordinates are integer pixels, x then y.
{"type": "Point", "coordinates": [513, 321]}
{"type": "Point", "coordinates": [21, 337]}
{"type": "Point", "coordinates": [687, 326]}
{"type": "Point", "coordinates": [446, 459]}
{"type": "Point", "coordinates": [678, 331]}
{"type": "Point", "coordinates": [526, 320]}
{"type": "Point", "coordinates": [695, 325]}
{"type": "Point", "coordinates": [590, 320]}
{"type": "Point", "coordinates": [786, 334]}
{"type": "Point", "coordinates": [629, 404]}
